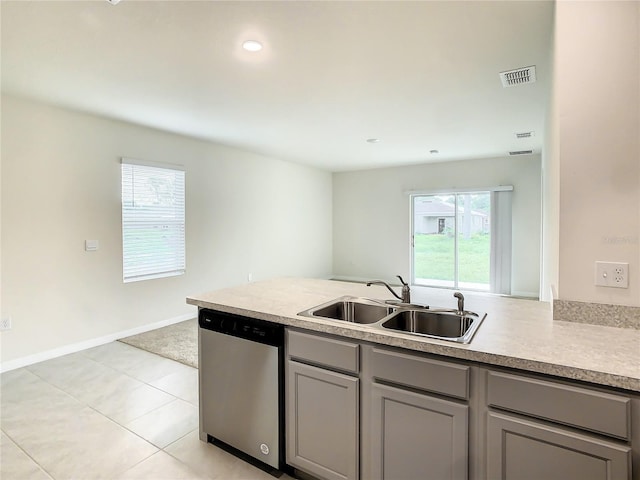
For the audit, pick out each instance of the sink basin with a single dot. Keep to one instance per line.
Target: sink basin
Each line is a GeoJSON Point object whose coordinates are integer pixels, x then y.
{"type": "Point", "coordinates": [443, 324]}
{"type": "Point", "coordinates": [351, 309]}
{"type": "Point", "coordinates": [447, 325]}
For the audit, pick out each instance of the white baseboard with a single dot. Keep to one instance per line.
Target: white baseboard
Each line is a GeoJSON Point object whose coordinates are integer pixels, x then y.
{"type": "Point", "coordinates": [94, 342]}
{"type": "Point", "coordinates": [523, 294]}
{"type": "Point", "coordinates": [344, 278]}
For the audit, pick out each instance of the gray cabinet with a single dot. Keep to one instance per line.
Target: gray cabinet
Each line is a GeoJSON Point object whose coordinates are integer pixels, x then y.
{"type": "Point", "coordinates": [322, 408]}
{"type": "Point", "coordinates": [537, 428]}
{"type": "Point", "coordinates": [417, 436]}
{"type": "Point", "coordinates": [419, 416]}
{"type": "Point", "coordinates": [587, 409]}
{"type": "Point", "coordinates": [356, 410]}
{"type": "Point", "coordinates": [522, 449]}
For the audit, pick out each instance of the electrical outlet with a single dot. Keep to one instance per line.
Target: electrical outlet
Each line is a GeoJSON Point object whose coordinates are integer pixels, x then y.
{"type": "Point", "coordinates": [612, 274]}
{"type": "Point", "coordinates": [5, 323]}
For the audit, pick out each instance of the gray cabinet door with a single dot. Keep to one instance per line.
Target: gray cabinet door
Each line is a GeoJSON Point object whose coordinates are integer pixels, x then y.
{"type": "Point", "coordinates": [519, 449]}
{"type": "Point", "coordinates": [322, 422]}
{"type": "Point", "coordinates": [415, 436]}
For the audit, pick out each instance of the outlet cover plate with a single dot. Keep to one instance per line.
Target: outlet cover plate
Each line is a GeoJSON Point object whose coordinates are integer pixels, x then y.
{"type": "Point", "coordinates": [5, 324]}
{"type": "Point", "coordinates": [612, 274]}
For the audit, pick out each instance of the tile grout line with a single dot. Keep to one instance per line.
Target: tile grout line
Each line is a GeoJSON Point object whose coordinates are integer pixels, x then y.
{"type": "Point", "coordinates": [178, 459]}
{"type": "Point", "coordinates": [187, 466]}
{"type": "Point", "coordinates": [86, 405]}
{"type": "Point", "coordinates": [19, 447]}
{"type": "Point", "coordinates": [150, 411]}
{"type": "Point", "coordinates": [146, 382]}
{"type": "Point", "coordinates": [178, 439]}
{"type": "Point", "coordinates": [81, 404]}
{"type": "Point", "coordinates": [155, 409]}
{"type": "Point", "coordinates": [142, 383]}
{"type": "Point", "coordinates": [143, 460]}
{"type": "Point", "coordinates": [174, 397]}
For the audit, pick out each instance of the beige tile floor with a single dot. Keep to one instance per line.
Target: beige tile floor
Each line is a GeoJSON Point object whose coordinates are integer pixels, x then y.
{"type": "Point", "coordinates": [110, 412]}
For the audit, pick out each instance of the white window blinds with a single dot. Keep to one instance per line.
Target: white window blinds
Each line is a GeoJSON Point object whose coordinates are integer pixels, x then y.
{"type": "Point", "coordinates": [153, 220]}
{"type": "Point", "coordinates": [501, 249]}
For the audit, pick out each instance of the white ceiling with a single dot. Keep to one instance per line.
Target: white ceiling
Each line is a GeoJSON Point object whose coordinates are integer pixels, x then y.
{"type": "Point", "coordinates": [417, 75]}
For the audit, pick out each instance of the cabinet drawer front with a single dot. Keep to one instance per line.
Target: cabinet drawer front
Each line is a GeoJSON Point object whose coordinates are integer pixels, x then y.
{"type": "Point", "coordinates": [420, 372]}
{"type": "Point", "coordinates": [325, 351]}
{"type": "Point", "coordinates": [592, 410]}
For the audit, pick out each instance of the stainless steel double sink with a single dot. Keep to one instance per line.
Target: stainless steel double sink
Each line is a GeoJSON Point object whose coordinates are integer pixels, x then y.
{"type": "Point", "coordinates": [439, 323]}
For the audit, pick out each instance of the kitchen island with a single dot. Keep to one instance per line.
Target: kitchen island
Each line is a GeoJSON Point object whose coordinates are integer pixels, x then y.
{"type": "Point", "coordinates": [516, 333]}
{"type": "Point", "coordinates": [553, 399]}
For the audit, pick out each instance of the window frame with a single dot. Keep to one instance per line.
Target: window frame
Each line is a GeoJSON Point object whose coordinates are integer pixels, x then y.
{"type": "Point", "coordinates": [500, 250]}
{"type": "Point", "coordinates": [168, 217]}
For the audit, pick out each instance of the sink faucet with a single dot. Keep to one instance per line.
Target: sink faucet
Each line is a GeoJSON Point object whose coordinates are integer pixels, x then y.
{"type": "Point", "coordinates": [406, 292]}
{"type": "Point", "coordinates": [460, 298]}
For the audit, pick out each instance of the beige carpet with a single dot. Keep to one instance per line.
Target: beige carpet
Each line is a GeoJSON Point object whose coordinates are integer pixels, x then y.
{"type": "Point", "coordinates": [178, 342]}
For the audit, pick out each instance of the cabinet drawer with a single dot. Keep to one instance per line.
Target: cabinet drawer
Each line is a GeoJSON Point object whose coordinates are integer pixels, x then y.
{"type": "Point", "coordinates": [420, 372]}
{"type": "Point", "coordinates": [325, 351]}
{"type": "Point", "coordinates": [588, 409]}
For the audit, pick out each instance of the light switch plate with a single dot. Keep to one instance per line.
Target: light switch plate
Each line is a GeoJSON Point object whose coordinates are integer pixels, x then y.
{"type": "Point", "coordinates": [612, 274]}
{"type": "Point", "coordinates": [91, 245]}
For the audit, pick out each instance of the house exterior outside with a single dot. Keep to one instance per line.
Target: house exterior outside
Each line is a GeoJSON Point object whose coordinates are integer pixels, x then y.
{"type": "Point", "coordinates": [431, 216]}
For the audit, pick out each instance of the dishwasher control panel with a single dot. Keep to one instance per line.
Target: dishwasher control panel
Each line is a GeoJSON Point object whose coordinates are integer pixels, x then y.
{"type": "Point", "coordinates": [243, 327]}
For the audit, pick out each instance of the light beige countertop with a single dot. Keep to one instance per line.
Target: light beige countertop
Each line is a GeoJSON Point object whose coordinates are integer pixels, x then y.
{"type": "Point", "coordinates": [516, 333]}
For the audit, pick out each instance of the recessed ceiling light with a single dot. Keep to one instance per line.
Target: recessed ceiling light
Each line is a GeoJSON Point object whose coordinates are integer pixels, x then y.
{"type": "Point", "coordinates": [113, 2]}
{"type": "Point", "coordinates": [373, 140]}
{"type": "Point", "coordinates": [252, 46]}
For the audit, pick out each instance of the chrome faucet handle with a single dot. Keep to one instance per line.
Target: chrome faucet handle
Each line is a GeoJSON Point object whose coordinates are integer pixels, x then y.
{"type": "Point", "coordinates": [406, 291]}
{"type": "Point", "coordinates": [460, 298]}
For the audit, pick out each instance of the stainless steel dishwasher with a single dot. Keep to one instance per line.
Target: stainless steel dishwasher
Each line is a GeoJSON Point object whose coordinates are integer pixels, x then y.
{"type": "Point", "coordinates": [241, 369]}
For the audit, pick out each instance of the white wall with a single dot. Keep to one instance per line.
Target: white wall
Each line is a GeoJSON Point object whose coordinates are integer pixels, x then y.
{"type": "Point", "coordinates": [550, 188]}
{"type": "Point", "coordinates": [597, 63]}
{"type": "Point", "coordinates": [372, 218]}
{"type": "Point", "coordinates": [61, 185]}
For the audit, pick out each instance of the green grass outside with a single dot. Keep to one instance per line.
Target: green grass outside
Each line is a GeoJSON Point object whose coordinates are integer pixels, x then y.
{"type": "Point", "coordinates": [434, 257]}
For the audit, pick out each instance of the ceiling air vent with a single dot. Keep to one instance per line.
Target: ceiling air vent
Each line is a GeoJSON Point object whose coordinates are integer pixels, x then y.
{"type": "Point", "coordinates": [521, 152]}
{"type": "Point", "coordinates": [524, 134]}
{"type": "Point", "coordinates": [519, 76]}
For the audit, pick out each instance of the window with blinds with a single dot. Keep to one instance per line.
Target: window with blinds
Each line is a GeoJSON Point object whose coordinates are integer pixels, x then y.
{"type": "Point", "coordinates": [153, 220]}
